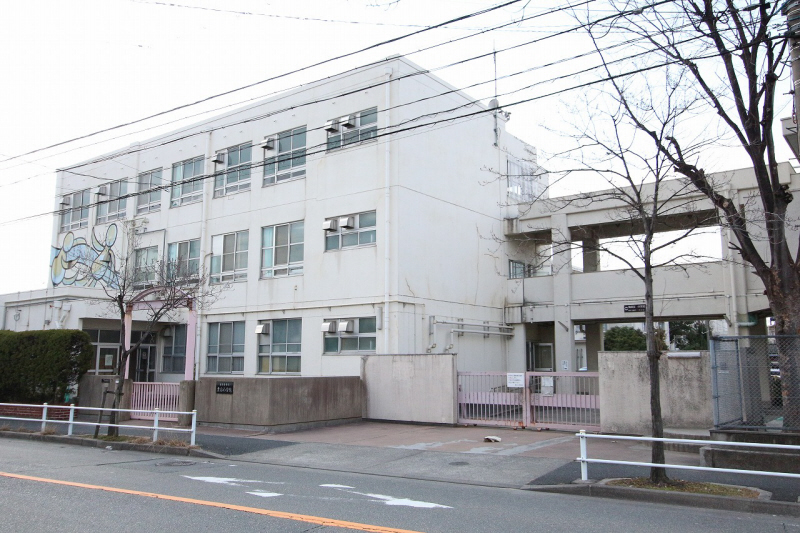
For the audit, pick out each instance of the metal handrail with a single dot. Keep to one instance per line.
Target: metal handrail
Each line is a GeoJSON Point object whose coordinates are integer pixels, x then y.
{"type": "Point", "coordinates": [72, 422]}
{"type": "Point", "coordinates": [585, 460]}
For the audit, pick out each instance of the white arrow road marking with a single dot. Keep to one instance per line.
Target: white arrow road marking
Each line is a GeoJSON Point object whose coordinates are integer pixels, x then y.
{"type": "Point", "coordinates": [232, 481]}
{"type": "Point", "coordinates": [334, 486]}
{"type": "Point", "coordinates": [265, 494]}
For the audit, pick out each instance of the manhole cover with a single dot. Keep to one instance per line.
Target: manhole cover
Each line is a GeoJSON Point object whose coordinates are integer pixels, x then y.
{"type": "Point", "coordinates": [175, 463]}
{"type": "Point", "coordinates": [459, 463]}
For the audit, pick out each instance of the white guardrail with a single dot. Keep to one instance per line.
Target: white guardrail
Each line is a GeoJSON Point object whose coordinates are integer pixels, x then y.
{"type": "Point", "coordinates": [72, 422]}
{"type": "Point", "coordinates": [585, 460]}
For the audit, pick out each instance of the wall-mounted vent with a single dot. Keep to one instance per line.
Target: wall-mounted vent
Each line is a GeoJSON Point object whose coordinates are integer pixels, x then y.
{"type": "Point", "coordinates": [102, 190]}
{"type": "Point", "coordinates": [345, 326]}
{"type": "Point", "coordinates": [269, 143]}
{"type": "Point", "coordinates": [348, 122]}
{"type": "Point", "coordinates": [329, 326]}
{"type": "Point", "coordinates": [330, 225]}
{"type": "Point", "coordinates": [219, 158]}
{"type": "Point", "coordinates": [262, 329]}
{"type": "Point", "coordinates": [347, 222]}
{"type": "Point", "coordinates": [65, 201]}
{"type": "Point", "coordinates": [332, 126]}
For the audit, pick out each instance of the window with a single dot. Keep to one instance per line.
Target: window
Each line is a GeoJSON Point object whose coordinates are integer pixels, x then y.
{"type": "Point", "coordinates": [184, 259]}
{"type": "Point", "coordinates": [516, 269]}
{"type": "Point", "coordinates": [352, 335]}
{"type": "Point", "coordinates": [145, 273]}
{"type": "Point", "coordinates": [351, 230]}
{"type": "Point", "coordinates": [149, 199]}
{"type": "Point", "coordinates": [229, 257]}
{"type": "Point", "coordinates": [353, 128]}
{"type": "Point", "coordinates": [523, 184]}
{"type": "Point", "coordinates": [225, 347]}
{"type": "Point", "coordinates": [106, 344]}
{"type": "Point", "coordinates": [174, 359]}
{"type": "Point", "coordinates": [76, 210]}
{"type": "Point", "coordinates": [282, 250]}
{"type": "Point", "coordinates": [186, 190]}
{"type": "Point", "coordinates": [279, 346]}
{"type": "Point", "coordinates": [237, 171]}
{"type": "Point", "coordinates": [291, 157]}
{"type": "Point", "coordinates": [112, 206]}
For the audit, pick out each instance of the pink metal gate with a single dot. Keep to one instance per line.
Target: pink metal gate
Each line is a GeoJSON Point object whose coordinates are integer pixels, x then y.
{"type": "Point", "coordinates": [150, 396]}
{"type": "Point", "coordinates": [557, 400]}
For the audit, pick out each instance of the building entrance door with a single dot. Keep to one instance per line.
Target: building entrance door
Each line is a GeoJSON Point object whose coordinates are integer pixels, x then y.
{"type": "Point", "coordinates": [540, 357]}
{"type": "Point", "coordinates": [145, 363]}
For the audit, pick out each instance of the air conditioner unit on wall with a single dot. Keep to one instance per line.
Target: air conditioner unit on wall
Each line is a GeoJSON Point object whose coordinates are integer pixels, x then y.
{"type": "Point", "coordinates": [262, 329]}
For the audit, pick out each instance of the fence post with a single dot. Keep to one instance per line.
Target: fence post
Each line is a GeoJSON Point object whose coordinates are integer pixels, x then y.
{"type": "Point", "coordinates": [584, 465]}
{"type": "Point", "coordinates": [155, 426]}
{"type": "Point", "coordinates": [44, 417]}
{"type": "Point", "coordinates": [71, 418]}
{"type": "Point", "coordinates": [194, 426]}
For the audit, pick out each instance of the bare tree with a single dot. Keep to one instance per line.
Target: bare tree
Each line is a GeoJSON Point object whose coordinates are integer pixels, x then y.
{"type": "Point", "coordinates": [158, 289]}
{"type": "Point", "coordinates": [652, 213]}
{"type": "Point", "coordinates": [729, 56]}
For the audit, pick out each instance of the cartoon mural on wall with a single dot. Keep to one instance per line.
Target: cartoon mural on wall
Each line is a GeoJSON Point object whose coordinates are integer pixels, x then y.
{"type": "Point", "coordinates": [81, 264]}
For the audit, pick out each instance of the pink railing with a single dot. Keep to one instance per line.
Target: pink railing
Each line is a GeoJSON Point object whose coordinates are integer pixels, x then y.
{"type": "Point", "coordinates": [150, 396]}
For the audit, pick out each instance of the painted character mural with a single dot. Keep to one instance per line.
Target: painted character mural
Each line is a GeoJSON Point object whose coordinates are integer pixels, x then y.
{"type": "Point", "coordinates": [82, 264]}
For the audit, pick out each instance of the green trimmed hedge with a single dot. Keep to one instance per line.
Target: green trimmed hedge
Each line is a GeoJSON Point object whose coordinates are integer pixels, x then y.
{"type": "Point", "coordinates": [41, 366]}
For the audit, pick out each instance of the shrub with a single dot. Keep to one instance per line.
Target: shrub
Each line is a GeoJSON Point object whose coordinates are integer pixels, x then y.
{"type": "Point", "coordinates": [41, 366]}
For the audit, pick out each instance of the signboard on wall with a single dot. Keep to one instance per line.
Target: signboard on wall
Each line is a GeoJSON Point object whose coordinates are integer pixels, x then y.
{"type": "Point", "coordinates": [634, 308]}
{"type": "Point", "coordinates": [515, 381]}
{"type": "Point", "coordinates": [224, 387]}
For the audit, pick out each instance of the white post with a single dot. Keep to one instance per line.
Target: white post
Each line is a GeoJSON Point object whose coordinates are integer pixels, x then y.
{"type": "Point", "coordinates": [71, 418]}
{"type": "Point", "coordinates": [194, 426]}
{"type": "Point", "coordinates": [584, 465]}
{"type": "Point", "coordinates": [44, 417]}
{"type": "Point", "coordinates": [155, 426]}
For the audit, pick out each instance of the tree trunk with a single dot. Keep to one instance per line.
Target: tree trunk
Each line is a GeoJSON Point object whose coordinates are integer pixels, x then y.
{"type": "Point", "coordinates": [787, 322]}
{"type": "Point", "coordinates": [658, 475]}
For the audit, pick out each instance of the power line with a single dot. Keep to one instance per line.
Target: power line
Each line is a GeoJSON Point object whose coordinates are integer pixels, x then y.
{"type": "Point", "coordinates": [279, 76]}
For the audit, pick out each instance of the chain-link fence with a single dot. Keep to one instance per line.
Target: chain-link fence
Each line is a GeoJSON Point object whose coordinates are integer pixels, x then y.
{"type": "Point", "coordinates": [756, 383]}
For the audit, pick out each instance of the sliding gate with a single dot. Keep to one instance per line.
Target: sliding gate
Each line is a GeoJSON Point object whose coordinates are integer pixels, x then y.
{"type": "Point", "coordinates": [557, 400]}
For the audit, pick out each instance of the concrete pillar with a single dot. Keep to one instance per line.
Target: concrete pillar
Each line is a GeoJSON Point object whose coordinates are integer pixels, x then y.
{"type": "Point", "coordinates": [186, 401]}
{"type": "Point", "coordinates": [564, 330]}
{"type": "Point", "coordinates": [591, 255]}
{"type": "Point", "coordinates": [515, 358]}
{"type": "Point", "coordinates": [594, 344]}
{"type": "Point", "coordinates": [125, 401]}
{"type": "Point", "coordinates": [191, 336]}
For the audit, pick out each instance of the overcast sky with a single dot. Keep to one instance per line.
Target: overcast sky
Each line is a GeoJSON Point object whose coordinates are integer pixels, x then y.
{"type": "Point", "coordinates": [72, 68]}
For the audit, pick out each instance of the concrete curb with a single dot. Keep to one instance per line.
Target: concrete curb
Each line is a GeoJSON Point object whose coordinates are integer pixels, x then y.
{"type": "Point", "coordinates": [91, 443]}
{"type": "Point", "coordinates": [724, 503]}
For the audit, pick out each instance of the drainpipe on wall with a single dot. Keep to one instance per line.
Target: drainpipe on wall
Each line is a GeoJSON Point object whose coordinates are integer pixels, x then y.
{"type": "Point", "coordinates": [203, 222]}
{"type": "Point", "coordinates": [387, 200]}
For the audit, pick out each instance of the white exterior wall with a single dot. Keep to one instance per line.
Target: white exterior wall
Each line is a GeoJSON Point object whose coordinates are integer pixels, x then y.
{"type": "Point", "coordinates": [437, 209]}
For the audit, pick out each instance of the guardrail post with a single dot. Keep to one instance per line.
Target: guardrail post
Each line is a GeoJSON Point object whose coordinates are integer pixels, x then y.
{"type": "Point", "coordinates": [44, 417]}
{"type": "Point", "coordinates": [194, 426]}
{"type": "Point", "coordinates": [584, 456]}
{"type": "Point", "coordinates": [155, 426]}
{"type": "Point", "coordinates": [71, 418]}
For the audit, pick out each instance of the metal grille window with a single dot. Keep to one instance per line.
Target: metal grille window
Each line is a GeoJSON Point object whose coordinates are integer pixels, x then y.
{"type": "Point", "coordinates": [279, 346]}
{"type": "Point", "coordinates": [225, 347]}
{"type": "Point", "coordinates": [185, 189]}
{"type": "Point", "coordinates": [237, 171]}
{"type": "Point", "coordinates": [112, 206]}
{"type": "Point", "coordinates": [350, 230]}
{"type": "Point", "coordinates": [184, 259]}
{"type": "Point", "coordinates": [516, 269]}
{"type": "Point", "coordinates": [349, 335]}
{"type": "Point", "coordinates": [229, 257]}
{"type": "Point", "coordinates": [146, 264]}
{"type": "Point", "coordinates": [352, 129]}
{"type": "Point", "coordinates": [149, 199]}
{"type": "Point", "coordinates": [174, 359]}
{"type": "Point", "coordinates": [76, 210]}
{"type": "Point", "coordinates": [291, 158]}
{"type": "Point", "coordinates": [282, 250]}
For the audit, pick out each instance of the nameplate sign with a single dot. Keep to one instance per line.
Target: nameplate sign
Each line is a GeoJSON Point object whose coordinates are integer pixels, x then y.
{"type": "Point", "coordinates": [224, 387]}
{"type": "Point", "coordinates": [635, 308]}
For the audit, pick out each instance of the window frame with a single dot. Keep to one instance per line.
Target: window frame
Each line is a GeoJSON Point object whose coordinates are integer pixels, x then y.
{"type": "Point", "coordinates": [267, 351]}
{"type": "Point", "coordinates": [149, 200]}
{"type": "Point", "coordinates": [365, 128]}
{"type": "Point", "coordinates": [218, 260]}
{"type": "Point", "coordinates": [289, 268]}
{"type": "Point", "coordinates": [174, 352]}
{"type": "Point", "coordinates": [181, 265]}
{"type": "Point", "coordinates": [178, 195]}
{"type": "Point", "coordinates": [340, 235]}
{"type": "Point", "coordinates": [222, 185]}
{"type": "Point", "coordinates": [82, 209]}
{"type": "Point", "coordinates": [115, 207]}
{"type": "Point", "coordinates": [235, 356]}
{"type": "Point", "coordinates": [357, 335]}
{"type": "Point", "coordinates": [145, 261]}
{"type": "Point", "coordinates": [293, 155]}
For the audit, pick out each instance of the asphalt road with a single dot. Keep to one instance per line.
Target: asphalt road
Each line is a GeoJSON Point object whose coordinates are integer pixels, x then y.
{"type": "Point", "coordinates": [198, 488]}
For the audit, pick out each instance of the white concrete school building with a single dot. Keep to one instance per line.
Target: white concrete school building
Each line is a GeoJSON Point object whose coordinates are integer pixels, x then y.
{"type": "Point", "coordinates": [357, 215]}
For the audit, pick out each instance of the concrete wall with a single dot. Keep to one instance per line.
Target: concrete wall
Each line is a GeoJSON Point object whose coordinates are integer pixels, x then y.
{"type": "Point", "coordinates": [625, 392]}
{"type": "Point", "coordinates": [411, 388]}
{"type": "Point", "coordinates": [270, 402]}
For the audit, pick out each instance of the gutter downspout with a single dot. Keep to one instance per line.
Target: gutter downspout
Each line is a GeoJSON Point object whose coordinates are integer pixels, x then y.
{"type": "Point", "coordinates": [203, 224]}
{"type": "Point", "coordinates": [387, 198]}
